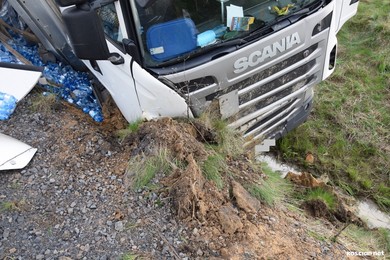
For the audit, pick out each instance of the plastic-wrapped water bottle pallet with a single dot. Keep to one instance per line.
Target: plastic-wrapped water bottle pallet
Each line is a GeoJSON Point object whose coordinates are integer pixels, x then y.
{"type": "Point", "coordinates": [72, 86]}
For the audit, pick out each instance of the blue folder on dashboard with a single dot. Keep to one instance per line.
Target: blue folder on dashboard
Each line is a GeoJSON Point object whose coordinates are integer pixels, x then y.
{"type": "Point", "coordinates": [171, 39]}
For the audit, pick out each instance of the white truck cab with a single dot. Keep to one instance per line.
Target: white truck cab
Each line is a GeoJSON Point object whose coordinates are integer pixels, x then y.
{"type": "Point", "coordinates": [257, 61]}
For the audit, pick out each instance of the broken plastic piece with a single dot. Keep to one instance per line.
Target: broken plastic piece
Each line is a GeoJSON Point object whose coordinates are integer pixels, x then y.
{"type": "Point", "coordinates": [14, 154]}
{"type": "Point", "coordinates": [18, 80]}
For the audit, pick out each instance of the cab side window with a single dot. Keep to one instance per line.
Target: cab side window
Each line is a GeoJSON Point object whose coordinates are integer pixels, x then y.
{"type": "Point", "coordinates": [110, 22]}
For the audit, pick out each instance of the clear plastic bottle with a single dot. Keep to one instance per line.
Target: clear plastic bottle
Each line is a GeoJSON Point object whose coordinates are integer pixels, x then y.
{"type": "Point", "coordinates": [7, 105]}
{"type": "Point", "coordinates": [96, 115]}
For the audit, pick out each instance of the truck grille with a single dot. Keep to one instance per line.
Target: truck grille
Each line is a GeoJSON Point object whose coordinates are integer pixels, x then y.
{"type": "Point", "coordinates": [263, 95]}
{"type": "Point", "coordinates": [265, 100]}
{"type": "Point", "coordinates": [198, 84]}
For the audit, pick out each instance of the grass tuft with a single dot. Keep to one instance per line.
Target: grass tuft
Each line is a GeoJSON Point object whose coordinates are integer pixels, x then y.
{"type": "Point", "coordinates": [320, 194]}
{"type": "Point", "coordinates": [213, 167]}
{"type": "Point", "coordinates": [129, 256]}
{"type": "Point", "coordinates": [11, 205]}
{"type": "Point", "coordinates": [230, 142]}
{"type": "Point", "coordinates": [131, 128]}
{"type": "Point", "coordinates": [143, 171]}
{"type": "Point", "coordinates": [44, 103]}
{"type": "Point", "coordinates": [273, 189]}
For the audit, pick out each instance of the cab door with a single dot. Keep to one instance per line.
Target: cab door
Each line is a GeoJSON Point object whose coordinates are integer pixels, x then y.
{"type": "Point", "coordinates": [137, 93]}
{"type": "Point", "coordinates": [116, 76]}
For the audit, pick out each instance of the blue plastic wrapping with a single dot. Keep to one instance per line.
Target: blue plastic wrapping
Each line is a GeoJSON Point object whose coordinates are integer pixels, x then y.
{"type": "Point", "coordinates": [73, 86]}
{"type": "Point", "coordinates": [7, 105]}
{"type": "Point", "coordinates": [205, 38]}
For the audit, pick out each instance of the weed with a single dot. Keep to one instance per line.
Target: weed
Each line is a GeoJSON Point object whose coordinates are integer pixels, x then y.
{"type": "Point", "coordinates": [50, 231]}
{"type": "Point", "coordinates": [44, 103]}
{"type": "Point", "coordinates": [385, 238]}
{"type": "Point", "coordinates": [273, 188]}
{"type": "Point", "coordinates": [316, 235]}
{"type": "Point", "coordinates": [382, 201]}
{"type": "Point", "coordinates": [320, 194]}
{"type": "Point", "coordinates": [10, 206]}
{"type": "Point", "coordinates": [131, 225]}
{"type": "Point", "coordinates": [346, 187]}
{"type": "Point", "coordinates": [15, 185]}
{"type": "Point", "coordinates": [230, 142]}
{"type": "Point", "coordinates": [213, 167]}
{"type": "Point", "coordinates": [159, 203]}
{"type": "Point", "coordinates": [142, 171]}
{"type": "Point", "coordinates": [183, 239]}
{"type": "Point", "coordinates": [262, 193]}
{"type": "Point", "coordinates": [129, 256]}
{"type": "Point", "coordinates": [131, 128]}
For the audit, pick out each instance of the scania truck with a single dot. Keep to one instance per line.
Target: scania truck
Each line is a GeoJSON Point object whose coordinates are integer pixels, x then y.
{"type": "Point", "coordinates": [254, 62]}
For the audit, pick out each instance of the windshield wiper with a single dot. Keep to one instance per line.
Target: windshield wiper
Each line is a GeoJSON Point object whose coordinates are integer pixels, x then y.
{"type": "Point", "coordinates": [280, 23]}
{"type": "Point", "coordinates": [228, 43]}
{"type": "Point", "coordinates": [283, 21]}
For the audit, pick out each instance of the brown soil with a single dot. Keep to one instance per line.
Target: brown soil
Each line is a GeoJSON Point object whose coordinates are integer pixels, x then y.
{"type": "Point", "coordinates": [318, 208]}
{"type": "Point", "coordinates": [229, 221]}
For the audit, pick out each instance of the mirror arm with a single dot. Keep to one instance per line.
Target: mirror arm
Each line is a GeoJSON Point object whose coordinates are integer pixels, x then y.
{"type": "Point", "coordinates": [131, 49]}
{"type": "Point", "coordinates": [116, 59]}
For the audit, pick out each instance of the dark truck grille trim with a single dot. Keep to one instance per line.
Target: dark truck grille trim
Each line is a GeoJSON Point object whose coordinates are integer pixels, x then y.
{"type": "Point", "coordinates": [270, 118]}
{"type": "Point", "coordinates": [248, 117]}
{"type": "Point", "coordinates": [201, 83]}
{"type": "Point", "coordinates": [266, 73]}
{"type": "Point", "coordinates": [266, 88]}
{"type": "Point", "coordinates": [254, 118]}
{"type": "Point", "coordinates": [260, 102]}
{"type": "Point", "coordinates": [195, 84]}
{"type": "Point", "coordinates": [269, 121]}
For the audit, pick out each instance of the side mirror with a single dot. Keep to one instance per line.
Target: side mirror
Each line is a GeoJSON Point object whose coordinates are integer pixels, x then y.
{"type": "Point", "coordinates": [132, 50]}
{"type": "Point", "coordinates": [86, 33]}
{"type": "Point", "coordinates": [64, 3]}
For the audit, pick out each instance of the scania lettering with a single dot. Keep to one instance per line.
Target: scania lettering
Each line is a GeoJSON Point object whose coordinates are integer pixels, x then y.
{"type": "Point", "coordinates": [255, 62]}
{"type": "Point", "coordinates": [268, 52]}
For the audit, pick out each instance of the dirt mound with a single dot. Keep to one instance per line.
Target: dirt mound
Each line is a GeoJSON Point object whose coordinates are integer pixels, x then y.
{"type": "Point", "coordinates": [304, 179]}
{"type": "Point", "coordinates": [226, 222]}
{"type": "Point", "coordinates": [178, 138]}
{"type": "Point", "coordinates": [317, 207]}
{"type": "Point", "coordinates": [193, 197]}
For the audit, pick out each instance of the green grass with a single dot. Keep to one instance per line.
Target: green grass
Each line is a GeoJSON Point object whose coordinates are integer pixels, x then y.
{"type": "Point", "coordinates": [213, 167]}
{"type": "Point", "coordinates": [317, 235]}
{"type": "Point", "coordinates": [349, 128]}
{"type": "Point", "coordinates": [131, 128]}
{"type": "Point", "coordinates": [320, 194]}
{"type": "Point", "coordinates": [143, 171]}
{"type": "Point", "coordinates": [230, 142]}
{"type": "Point", "coordinates": [366, 240]}
{"type": "Point", "coordinates": [10, 205]}
{"type": "Point", "coordinates": [272, 190]}
{"type": "Point", "coordinates": [129, 256]}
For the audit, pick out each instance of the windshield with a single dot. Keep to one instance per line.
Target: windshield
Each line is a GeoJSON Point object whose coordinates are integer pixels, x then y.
{"type": "Point", "coordinates": [173, 30]}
